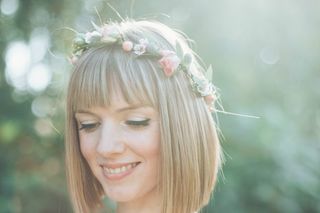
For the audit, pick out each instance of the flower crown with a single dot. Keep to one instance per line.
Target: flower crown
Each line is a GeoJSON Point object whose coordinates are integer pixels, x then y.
{"type": "Point", "coordinates": [170, 61]}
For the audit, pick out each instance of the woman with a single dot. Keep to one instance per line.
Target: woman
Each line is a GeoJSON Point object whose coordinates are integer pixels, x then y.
{"type": "Point", "coordinates": [139, 123]}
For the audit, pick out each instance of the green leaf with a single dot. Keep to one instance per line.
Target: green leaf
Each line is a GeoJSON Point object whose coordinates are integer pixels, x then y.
{"type": "Point", "coordinates": [152, 49]}
{"type": "Point", "coordinates": [79, 41]}
{"type": "Point", "coordinates": [187, 59]}
{"type": "Point", "coordinates": [209, 73]}
{"type": "Point", "coordinates": [179, 50]}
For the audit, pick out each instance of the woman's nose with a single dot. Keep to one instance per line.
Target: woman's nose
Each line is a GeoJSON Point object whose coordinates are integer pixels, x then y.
{"type": "Point", "coordinates": [111, 140]}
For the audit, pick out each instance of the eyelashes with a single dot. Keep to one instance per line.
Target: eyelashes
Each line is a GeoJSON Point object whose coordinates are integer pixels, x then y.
{"type": "Point", "coordinates": [88, 126]}
{"type": "Point", "coordinates": [134, 124]}
{"type": "Point", "coordinates": [138, 123]}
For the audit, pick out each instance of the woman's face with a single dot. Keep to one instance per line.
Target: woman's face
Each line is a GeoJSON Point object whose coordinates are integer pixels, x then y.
{"type": "Point", "coordinates": [121, 144]}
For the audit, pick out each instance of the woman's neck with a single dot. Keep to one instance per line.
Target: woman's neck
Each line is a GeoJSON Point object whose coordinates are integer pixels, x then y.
{"type": "Point", "coordinates": [151, 203]}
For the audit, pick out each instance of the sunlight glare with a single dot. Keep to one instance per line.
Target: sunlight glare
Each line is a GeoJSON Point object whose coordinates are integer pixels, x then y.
{"type": "Point", "coordinates": [39, 77]}
{"type": "Point", "coordinates": [18, 59]}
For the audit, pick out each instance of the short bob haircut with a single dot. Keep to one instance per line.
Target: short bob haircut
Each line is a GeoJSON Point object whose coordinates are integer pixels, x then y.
{"type": "Point", "coordinates": [190, 150]}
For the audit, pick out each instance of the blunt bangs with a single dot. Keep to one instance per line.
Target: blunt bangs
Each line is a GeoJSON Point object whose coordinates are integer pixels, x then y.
{"type": "Point", "coordinates": [105, 73]}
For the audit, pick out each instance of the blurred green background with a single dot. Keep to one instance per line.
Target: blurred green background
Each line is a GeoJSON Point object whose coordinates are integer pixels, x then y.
{"type": "Point", "coordinates": [266, 60]}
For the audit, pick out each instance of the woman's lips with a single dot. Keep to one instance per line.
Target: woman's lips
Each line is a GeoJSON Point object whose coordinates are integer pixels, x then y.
{"type": "Point", "coordinates": [118, 171]}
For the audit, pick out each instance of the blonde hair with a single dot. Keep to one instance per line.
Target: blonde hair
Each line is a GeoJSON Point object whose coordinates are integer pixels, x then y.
{"type": "Point", "coordinates": [190, 150]}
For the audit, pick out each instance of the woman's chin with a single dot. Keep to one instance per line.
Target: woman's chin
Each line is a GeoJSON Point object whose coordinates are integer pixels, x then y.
{"type": "Point", "coordinates": [119, 196]}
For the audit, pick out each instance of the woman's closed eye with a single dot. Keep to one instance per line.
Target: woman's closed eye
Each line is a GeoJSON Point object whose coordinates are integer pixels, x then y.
{"type": "Point", "coordinates": [138, 123]}
{"type": "Point", "coordinates": [88, 126]}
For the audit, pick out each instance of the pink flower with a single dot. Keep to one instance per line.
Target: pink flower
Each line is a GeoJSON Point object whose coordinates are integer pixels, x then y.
{"type": "Point", "coordinates": [141, 47]}
{"type": "Point", "coordinates": [169, 62]}
{"type": "Point", "coordinates": [73, 59]}
{"type": "Point", "coordinates": [127, 46]}
{"type": "Point", "coordinates": [209, 99]}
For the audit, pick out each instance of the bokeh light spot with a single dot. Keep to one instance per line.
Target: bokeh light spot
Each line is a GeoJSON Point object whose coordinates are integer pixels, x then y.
{"type": "Point", "coordinates": [39, 44]}
{"type": "Point", "coordinates": [8, 132]}
{"type": "Point", "coordinates": [39, 77]}
{"type": "Point", "coordinates": [18, 59]}
{"type": "Point", "coordinates": [9, 7]}
{"type": "Point", "coordinates": [43, 127]}
{"type": "Point", "coordinates": [269, 55]}
{"type": "Point", "coordinates": [41, 106]}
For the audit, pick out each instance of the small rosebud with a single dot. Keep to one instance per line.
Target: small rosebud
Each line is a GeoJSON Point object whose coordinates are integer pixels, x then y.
{"type": "Point", "coordinates": [127, 46]}
{"type": "Point", "coordinates": [73, 59]}
{"type": "Point", "coordinates": [209, 99]}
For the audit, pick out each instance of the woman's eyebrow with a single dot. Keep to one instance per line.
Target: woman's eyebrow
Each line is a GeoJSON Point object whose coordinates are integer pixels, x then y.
{"type": "Point", "coordinates": [82, 111]}
{"type": "Point", "coordinates": [128, 108]}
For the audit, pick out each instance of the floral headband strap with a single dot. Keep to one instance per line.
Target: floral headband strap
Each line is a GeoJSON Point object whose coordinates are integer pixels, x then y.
{"type": "Point", "coordinates": [170, 61]}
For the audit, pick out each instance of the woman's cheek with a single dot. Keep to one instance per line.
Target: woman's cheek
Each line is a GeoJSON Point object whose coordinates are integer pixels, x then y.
{"type": "Point", "coordinates": [148, 143]}
{"type": "Point", "coordinates": [87, 145]}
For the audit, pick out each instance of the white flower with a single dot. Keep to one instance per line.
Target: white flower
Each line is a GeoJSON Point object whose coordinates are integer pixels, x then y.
{"type": "Point", "coordinates": [109, 33]}
{"type": "Point", "coordinates": [143, 41]}
{"type": "Point", "coordinates": [140, 48]}
{"type": "Point", "coordinates": [92, 37]}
